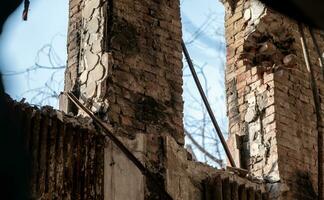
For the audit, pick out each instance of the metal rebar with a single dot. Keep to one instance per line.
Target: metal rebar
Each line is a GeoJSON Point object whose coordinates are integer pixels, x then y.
{"type": "Point", "coordinates": [205, 100]}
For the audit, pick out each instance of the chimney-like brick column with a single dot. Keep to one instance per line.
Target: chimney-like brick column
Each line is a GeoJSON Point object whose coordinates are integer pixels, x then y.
{"type": "Point", "coordinates": [274, 130]}
{"type": "Point", "coordinates": [125, 63]}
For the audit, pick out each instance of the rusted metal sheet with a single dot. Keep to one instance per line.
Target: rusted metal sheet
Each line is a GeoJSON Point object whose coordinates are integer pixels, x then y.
{"type": "Point", "coordinates": [234, 190]}
{"type": "Point", "coordinates": [226, 188]}
{"type": "Point", "coordinates": [219, 188]}
{"type": "Point", "coordinates": [67, 160]}
{"type": "Point", "coordinates": [242, 192]}
{"type": "Point", "coordinates": [66, 156]}
{"type": "Point", "coordinates": [34, 146]}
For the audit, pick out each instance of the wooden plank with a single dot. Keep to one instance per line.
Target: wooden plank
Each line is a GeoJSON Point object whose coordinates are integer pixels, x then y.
{"type": "Point", "coordinates": [87, 166]}
{"type": "Point", "coordinates": [258, 195]}
{"type": "Point", "coordinates": [83, 159]}
{"type": "Point", "coordinates": [234, 191]}
{"type": "Point", "coordinates": [99, 167]}
{"type": "Point", "coordinates": [218, 188]}
{"type": "Point", "coordinates": [265, 196]}
{"type": "Point", "coordinates": [208, 191]}
{"type": "Point", "coordinates": [34, 154]}
{"type": "Point", "coordinates": [226, 189]}
{"type": "Point", "coordinates": [76, 187]}
{"type": "Point", "coordinates": [51, 157]}
{"type": "Point", "coordinates": [59, 167]}
{"type": "Point", "coordinates": [68, 159]}
{"type": "Point", "coordinates": [91, 173]}
{"type": "Point", "coordinates": [242, 193]}
{"type": "Point", "coordinates": [251, 193]}
{"type": "Point", "coordinates": [42, 154]}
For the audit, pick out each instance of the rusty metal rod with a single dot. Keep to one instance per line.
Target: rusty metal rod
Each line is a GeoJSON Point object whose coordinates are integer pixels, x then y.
{"type": "Point", "coordinates": [205, 100]}
{"type": "Point", "coordinates": [109, 133]}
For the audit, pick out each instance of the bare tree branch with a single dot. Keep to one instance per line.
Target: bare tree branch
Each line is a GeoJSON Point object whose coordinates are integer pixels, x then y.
{"type": "Point", "coordinates": [203, 150]}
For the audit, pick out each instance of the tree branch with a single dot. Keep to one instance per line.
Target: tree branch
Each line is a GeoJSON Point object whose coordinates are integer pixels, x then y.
{"type": "Point", "coordinates": [209, 155]}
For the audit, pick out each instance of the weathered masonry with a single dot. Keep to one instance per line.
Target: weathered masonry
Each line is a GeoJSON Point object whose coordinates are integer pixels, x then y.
{"type": "Point", "coordinates": [274, 100]}
{"type": "Point", "coordinates": [125, 64]}
{"type": "Point", "coordinates": [70, 159]}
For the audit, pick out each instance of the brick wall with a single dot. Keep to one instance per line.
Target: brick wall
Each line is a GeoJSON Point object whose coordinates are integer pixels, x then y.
{"type": "Point", "coordinates": [125, 64]}
{"type": "Point", "coordinates": [272, 115]}
{"type": "Point", "coordinates": [73, 49]}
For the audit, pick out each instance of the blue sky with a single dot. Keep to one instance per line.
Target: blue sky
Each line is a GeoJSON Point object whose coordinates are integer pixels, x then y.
{"type": "Point", "coordinates": [203, 30]}
{"type": "Point", "coordinates": [21, 41]}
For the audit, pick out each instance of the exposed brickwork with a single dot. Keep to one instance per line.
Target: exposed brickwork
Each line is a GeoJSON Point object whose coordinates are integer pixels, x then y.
{"type": "Point", "coordinates": [125, 63]}
{"type": "Point", "coordinates": [129, 64]}
{"type": "Point", "coordinates": [272, 119]}
{"type": "Point", "coordinates": [73, 49]}
{"type": "Point", "coordinates": [128, 69]}
{"type": "Point", "coordinates": [190, 180]}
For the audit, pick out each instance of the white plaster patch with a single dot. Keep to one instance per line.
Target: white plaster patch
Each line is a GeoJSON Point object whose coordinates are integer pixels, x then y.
{"type": "Point", "coordinates": [89, 7]}
{"type": "Point", "coordinates": [93, 25]}
{"type": "Point", "coordinates": [247, 14]}
{"type": "Point", "coordinates": [96, 47]}
{"type": "Point", "coordinates": [257, 10]}
{"type": "Point", "coordinates": [254, 149]}
{"type": "Point", "coordinates": [90, 90]}
{"type": "Point", "coordinates": [250, 114]}
{"type": "Point", "coordinates": [94, 37]}
{"type": "Point", "coordinates": [93, 72]}
{"type": "Point", "coordinates": [84, 77]}
{"type": "Point", "coordinates": [91, 60]}
{"type": "Point", "coordinates": [97, 73]}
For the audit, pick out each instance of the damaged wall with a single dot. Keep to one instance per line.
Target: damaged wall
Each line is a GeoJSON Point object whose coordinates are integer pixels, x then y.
{"type": "Point", "coordinates": [272, 115]}
{"type": "Point", "coordinates": [71, 159]}
{"type": "Point", "coordinates": [126, 64]}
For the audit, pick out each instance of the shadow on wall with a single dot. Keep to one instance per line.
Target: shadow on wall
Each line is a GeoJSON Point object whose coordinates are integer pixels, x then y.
{"type": "Point", "coordinates": [308, 12]}
{"type": "Point", "coordinates": [304, 185]}
{"type": "Point", "coordinates": [13, 167]}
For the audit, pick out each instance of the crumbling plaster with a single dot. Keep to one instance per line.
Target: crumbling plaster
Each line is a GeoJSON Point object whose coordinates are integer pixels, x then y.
{"type": "Point", "coordinates": [93, 68]}
{"type": "Point", "coordinates": [272, 119]}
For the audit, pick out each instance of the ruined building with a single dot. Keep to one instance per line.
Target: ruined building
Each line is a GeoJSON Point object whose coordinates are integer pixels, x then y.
{"type": "Point", "coordinates": [275, 100]}
{"type": "Point", "coordinates": [125, 64]}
